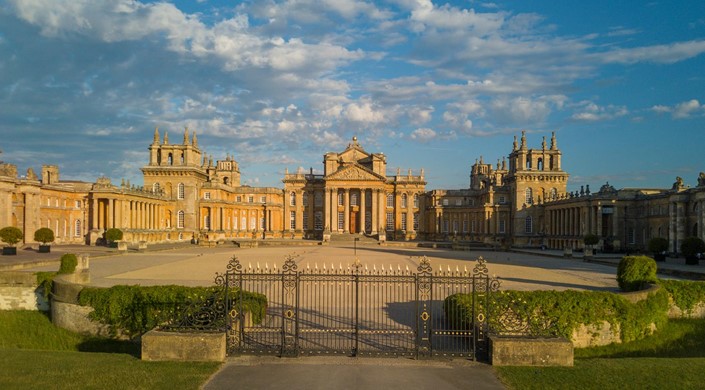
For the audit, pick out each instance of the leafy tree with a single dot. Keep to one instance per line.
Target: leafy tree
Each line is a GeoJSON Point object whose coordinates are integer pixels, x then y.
{"type": "Point", "coordinates": [113, 234]}
{"type": "Point", "coordinates": [690, 248]}
{"type": "Point", "coordinates": [44, 235]}
{"type": "Point", "coordinates": [10, 235]}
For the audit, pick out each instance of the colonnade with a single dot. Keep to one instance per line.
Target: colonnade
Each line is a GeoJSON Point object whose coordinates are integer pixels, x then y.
{"type": "Point", "coordinates": [127, 214]}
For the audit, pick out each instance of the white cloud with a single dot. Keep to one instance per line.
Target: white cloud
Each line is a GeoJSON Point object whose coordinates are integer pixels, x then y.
{"type": "Point", "coordinates": [665, 54]}
{"type": "Point", "coordinates": [423, 134]}
{"type": "Point", "coordinates": [589, 111]}
{"type": "Point", "coordinates": [686, 109]}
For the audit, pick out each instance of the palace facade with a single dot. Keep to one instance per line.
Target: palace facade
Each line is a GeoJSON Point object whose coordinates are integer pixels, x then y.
{"type": "Point", "coordinates": [521, 201]}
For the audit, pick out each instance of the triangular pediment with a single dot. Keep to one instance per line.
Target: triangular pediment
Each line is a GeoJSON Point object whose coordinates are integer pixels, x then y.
{"type": "Point", "coordinates": [355, 173]}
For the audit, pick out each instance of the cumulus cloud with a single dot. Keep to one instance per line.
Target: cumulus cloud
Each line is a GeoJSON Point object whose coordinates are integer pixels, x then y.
{"type": "Point", "coordinates": [423, 134]}
{"type": "Point", "coordinates": [589, 111]}
{"type": "Point", "coordinates": [682, 110]}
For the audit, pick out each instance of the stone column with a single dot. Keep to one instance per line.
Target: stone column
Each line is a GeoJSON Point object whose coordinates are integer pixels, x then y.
{"type": "Point", "coordinates": [94, 223]}
{"type": "Point", "coordinates": [299, 211]}
{"type": "Point", "coordinates": [362, 210]}
{"type": "Point", "coordinates": [374, 209]}
{"type": "Point", "coordinates": [326, 209]}
{"type": "Point", "coordinates": [346, 212]}
{"type": "Point", "coordinates": [681, 228]}
{"type": "Point", "coordinates": [410, 213]}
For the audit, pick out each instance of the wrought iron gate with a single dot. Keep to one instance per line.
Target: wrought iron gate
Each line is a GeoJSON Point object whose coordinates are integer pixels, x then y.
{"type": "Point", "coordinates": [356, 310]}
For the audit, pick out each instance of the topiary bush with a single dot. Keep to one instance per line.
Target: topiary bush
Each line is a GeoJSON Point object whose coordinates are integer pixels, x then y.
{"type": "Point", "coordinates": [68, 265]}
{"type": "Point", "coordinates": [113, 234]}
{"type": "Point", "coordinates": [10, 235]}
{"type": "Point", "coordinates": [44, 235]}
{"type": "Point", "coordinates": [591, 239]}
{"type": "Point", "coordinates": [690, 248]}
{"type": "Point", "coordinates": [634, 273]}
{"type": "Point", "coordinates": [658, 246]}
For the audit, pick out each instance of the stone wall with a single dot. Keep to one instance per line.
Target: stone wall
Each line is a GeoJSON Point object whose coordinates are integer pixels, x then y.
{"type": "Point", "coordinates": [518, 351]}
{"type": "Point", "coordinates": [188, 346]}
{"type": "Point", "coordinates": [20, 291]}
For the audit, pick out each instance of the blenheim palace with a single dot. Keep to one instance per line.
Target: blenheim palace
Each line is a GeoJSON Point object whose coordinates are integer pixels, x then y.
{"type": "Point", "coordinates": [521, 201]}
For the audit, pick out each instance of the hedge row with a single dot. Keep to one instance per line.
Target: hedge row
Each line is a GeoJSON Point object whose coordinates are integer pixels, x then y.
{"type": "Point", "coordinates": [134, 310]}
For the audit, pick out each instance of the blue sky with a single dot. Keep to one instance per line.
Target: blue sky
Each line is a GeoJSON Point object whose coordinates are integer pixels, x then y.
{"type": "Point", "coordinates": [433, 85]}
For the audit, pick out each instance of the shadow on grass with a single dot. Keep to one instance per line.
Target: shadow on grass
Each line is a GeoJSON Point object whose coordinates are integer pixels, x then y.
{"type": "Point", "coordinates": [111, 346]}
{"type": "Point", "coordinates": [681, 338]}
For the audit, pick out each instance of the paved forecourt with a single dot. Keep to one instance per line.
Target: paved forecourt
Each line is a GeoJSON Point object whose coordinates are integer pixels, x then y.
{"type": "Point", "coordinates": [197, 266]}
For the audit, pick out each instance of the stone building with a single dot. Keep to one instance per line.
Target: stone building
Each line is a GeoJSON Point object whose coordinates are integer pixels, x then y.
{"type": "Point", "coordinates": [521, 200]}
{"type": "Point", "coordinates": [354, 195]}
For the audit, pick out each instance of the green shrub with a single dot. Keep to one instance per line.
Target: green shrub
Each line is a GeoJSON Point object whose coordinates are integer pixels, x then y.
{"type": "Point", "coordinates": [10, 235]}
{"type": "Point", "coordinates": [113, 234]}
{"type": "Point", "coordinates": [560, 313]}
{"type": "Point", "coordinates": [591, 239]}
{"type": "Point", "coordinates": [135, 310]}
{"type": "Point", "coordinates": [658, 245]}
{"type": "Point", "coordinates": [635, 272]}
{"type": "Point", "coordinates": [686, 294]}
{"type": "Point", "coordinates": [44, 235]}
{"type": "Point", "coordinates": [69, 261]}
{"type": "Point", "coordinates": [691, 246]}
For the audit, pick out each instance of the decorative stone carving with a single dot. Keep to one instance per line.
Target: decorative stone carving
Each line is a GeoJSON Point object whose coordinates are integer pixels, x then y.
{"type": "Point", "coordinates": [701, 179]}
{"type": "Point", "coordinates": [352, 174]}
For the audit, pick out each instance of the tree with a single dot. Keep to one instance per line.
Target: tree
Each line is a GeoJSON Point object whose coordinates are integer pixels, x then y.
{"type": "Point", "coordinates": [10, 235]}
{"type": "Point", "coordinates": [44, 235]}
{"type": "Point", "coordinates": [113, 234]}
{"type": "Point", "coordinates": [591, 239]}
{"type": "Point", "coordinates": [658, 246]}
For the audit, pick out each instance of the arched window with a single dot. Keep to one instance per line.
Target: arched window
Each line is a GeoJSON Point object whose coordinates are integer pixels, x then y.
{"type": "Point", "coordinates": [292, 199]}
{"type": "Point", "coordinates": [182, 158]}
{"type": "Point", "coordinates": [529, 196]}
{"type": "Point", "coordinates": [225, 181]}
{"type": "Point", "coordinates": [353, 199]}
{"type": "Point", "coordinates": [403, 201]}
{"type": "Point", "coordinates": [528, 225]}
{"type": "Point", "coordinates": [77, 228]}
{"type": "Point", "coordinates": [390, 200]}
{"type": "Point", "coordinates": [170, 159]}
{"type": "Point", "coordinates": [341, 200]}
{"type": "Point", "coordinates": [416, 201]}
{"type": "Point", "coordinates": [180, 219]}
{"type": "Point", "coordinates": [182, 190]}
{"type": "Point", "coordinates": [528, 162]}
{"type": "Point", "coordinates": [539, 164]}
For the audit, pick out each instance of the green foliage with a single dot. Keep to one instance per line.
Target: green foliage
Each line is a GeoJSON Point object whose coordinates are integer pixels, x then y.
{"type": "Point", "coordinates": [634, 273]}
{"type": "Point", "coordinates": [10, 235]}
{"type": "Point", "coordinates": [68, 263]}
{"type": "Point", "coordinates": [685, 294]}
{"type": "Point", "coordinates": [113, 234]}
{"type": "Point", "coordinates": [591, 239]}
{"type": "Point", "coordinates": [135, 310]}
{"type": "Point", "coordinates": [44, 235]}
{"type": "Point", "coordinates": [45, 280]}
{"type": "Point", "coordinates": [658, 245]}
{"type": "Point", "coordinates": [559, 313]}
{"type": "Point", "coordinates": [691, 246]}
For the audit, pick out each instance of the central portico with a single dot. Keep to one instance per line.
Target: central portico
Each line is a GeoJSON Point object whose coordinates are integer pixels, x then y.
{"type": "Point", "coordinates": [353, 196]}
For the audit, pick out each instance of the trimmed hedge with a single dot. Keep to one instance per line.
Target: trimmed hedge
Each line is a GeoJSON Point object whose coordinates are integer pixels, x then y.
{"type": "Point", "coordinates": [686, 294]}
{"type": "Point", "coordinates": [134, 310]}
{"type": "Point", "coordinates": [559, 313]}
{"type": "Point", "coordinates": [68, 263]}
{"type": "Point", "coordinates": [634, 273]}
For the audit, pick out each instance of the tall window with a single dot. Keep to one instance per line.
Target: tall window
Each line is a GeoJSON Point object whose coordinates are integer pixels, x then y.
{"type": "Point", "coordinates": [341, 221]}
{"type": "Point", "coordinates": [502, 228]}
{"type": "Point", "coordinates": [318, 220]}
{"type": "Point", "coordinates": [529, 195]}
{"type": "Point", "coordinates": [304, 199]}
{"type": "Point", "coordinates": [340, 199]}
{"type": "Point", "coordinates": [368, 221]}
{"type": "Point", "coordinates": [465, 226]}
{"type": "Point", "coordinates": [474, 226]}
{"type": "Point", "coordinates": [292, 199]}
{"type": "Point", "coordinates": [234, 223]}
{"type": "Point", "coordinates": [416, 221]}
{"type": "Point", "coordinates": [390, 221]}
{"type": "Point", "coordinates": [455, 226]}
{"type": "Point", "coordinates": [403, 201]}
{"type": "Point", "coordinates": [181, 191]}
{"type": "Point", "coordinates": [318, 199]}
{"type": "Point", "coordinates": [305, 221]}
{"type": "Point", "coordinates": [77, 228]}
{"type": "Point", "coordinates": [390, 200]}
{"type": "Point", "coordinates": [207, 222]}
{"type": "Point", "coordinates": [243, 223]}
{"type": "Point", "coordinates": [528, 225]}
{"type": "Point", "coordinates": [180, 219]}
{"type": "Point", "coordinates": [292, 220]}
{"type": "Point", "coordinates": [403, 221]}
{"type": "Point", "coordinates": [416, 201]}
{"type": "Point", "coordinates": [353, 199]}
{"type": "Point", "coordinates": [253, 223]}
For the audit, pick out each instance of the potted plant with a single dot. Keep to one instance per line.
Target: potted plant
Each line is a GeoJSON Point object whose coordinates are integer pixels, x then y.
{"type": "Point", "coordinates": [658, 246]}
{"type": "Point", "coordinates": [692, 248]}
{"type": "Point", "coordinates": [113, 235]}
{"type": "Point", "coordinates": [45, 236]}
{"type": "Point", "coordinates": [589, 240]}
{"type": "Point", "coordinates": [11, 236]}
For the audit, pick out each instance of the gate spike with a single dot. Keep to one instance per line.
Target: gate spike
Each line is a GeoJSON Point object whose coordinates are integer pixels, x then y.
{"type": "Point", "coordinates": [374, 267]}
{"type": "Point", "coordinates": [316, 265]}
{"type": "Point", "coordinates": [365, 267]}
{"type": "Point", "coordinates": [448, 268]}
{"type": "Point", "coordinates": [249, 265]}
{"type": "Point", "coordinates": [324, 265]}
{"type": "Point", "coordinates": [398, 267]}
{"type": "Point", "coordinates": [266, 265]}
{"type": "Point", "coordinates": [258, 265]}
{"type": "Point", "coordinates": [340, 265]}
{"type": "Point", "coordinates": [457, 269]}
{"type": "Point", "coordinates": [308, 265]}
{"type": "Point", "coordinates": [407, 268]}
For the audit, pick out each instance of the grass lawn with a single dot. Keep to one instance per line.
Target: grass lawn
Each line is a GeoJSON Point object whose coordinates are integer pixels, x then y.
{"type": "Point", "coordinates": [36, 354]}
{"type": "Point", "coordinates": [674, 358]}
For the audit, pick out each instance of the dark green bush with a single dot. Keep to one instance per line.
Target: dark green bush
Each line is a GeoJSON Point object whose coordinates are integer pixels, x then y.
{"type": "Point", "coordinates": [690, 247]}
{"type": "Point", "coordinates": [113, 234]}
{"type": "Point", "coordinates": [44, 235]}
{"type": "Point", "coordinates": [10, 235]}
{"type": "Point", "coordinates": [68, 263]}
{"type": "Point", "coordinates": [634, 273]}
{"type": "Point", "coordinates": [686, 294]}
{"type": "Point", "coordinates": [658, 245]}
{"type": "Point", "coordinates": [135, 310]}
{"type": "Point", "coordinates": [591, 239]}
